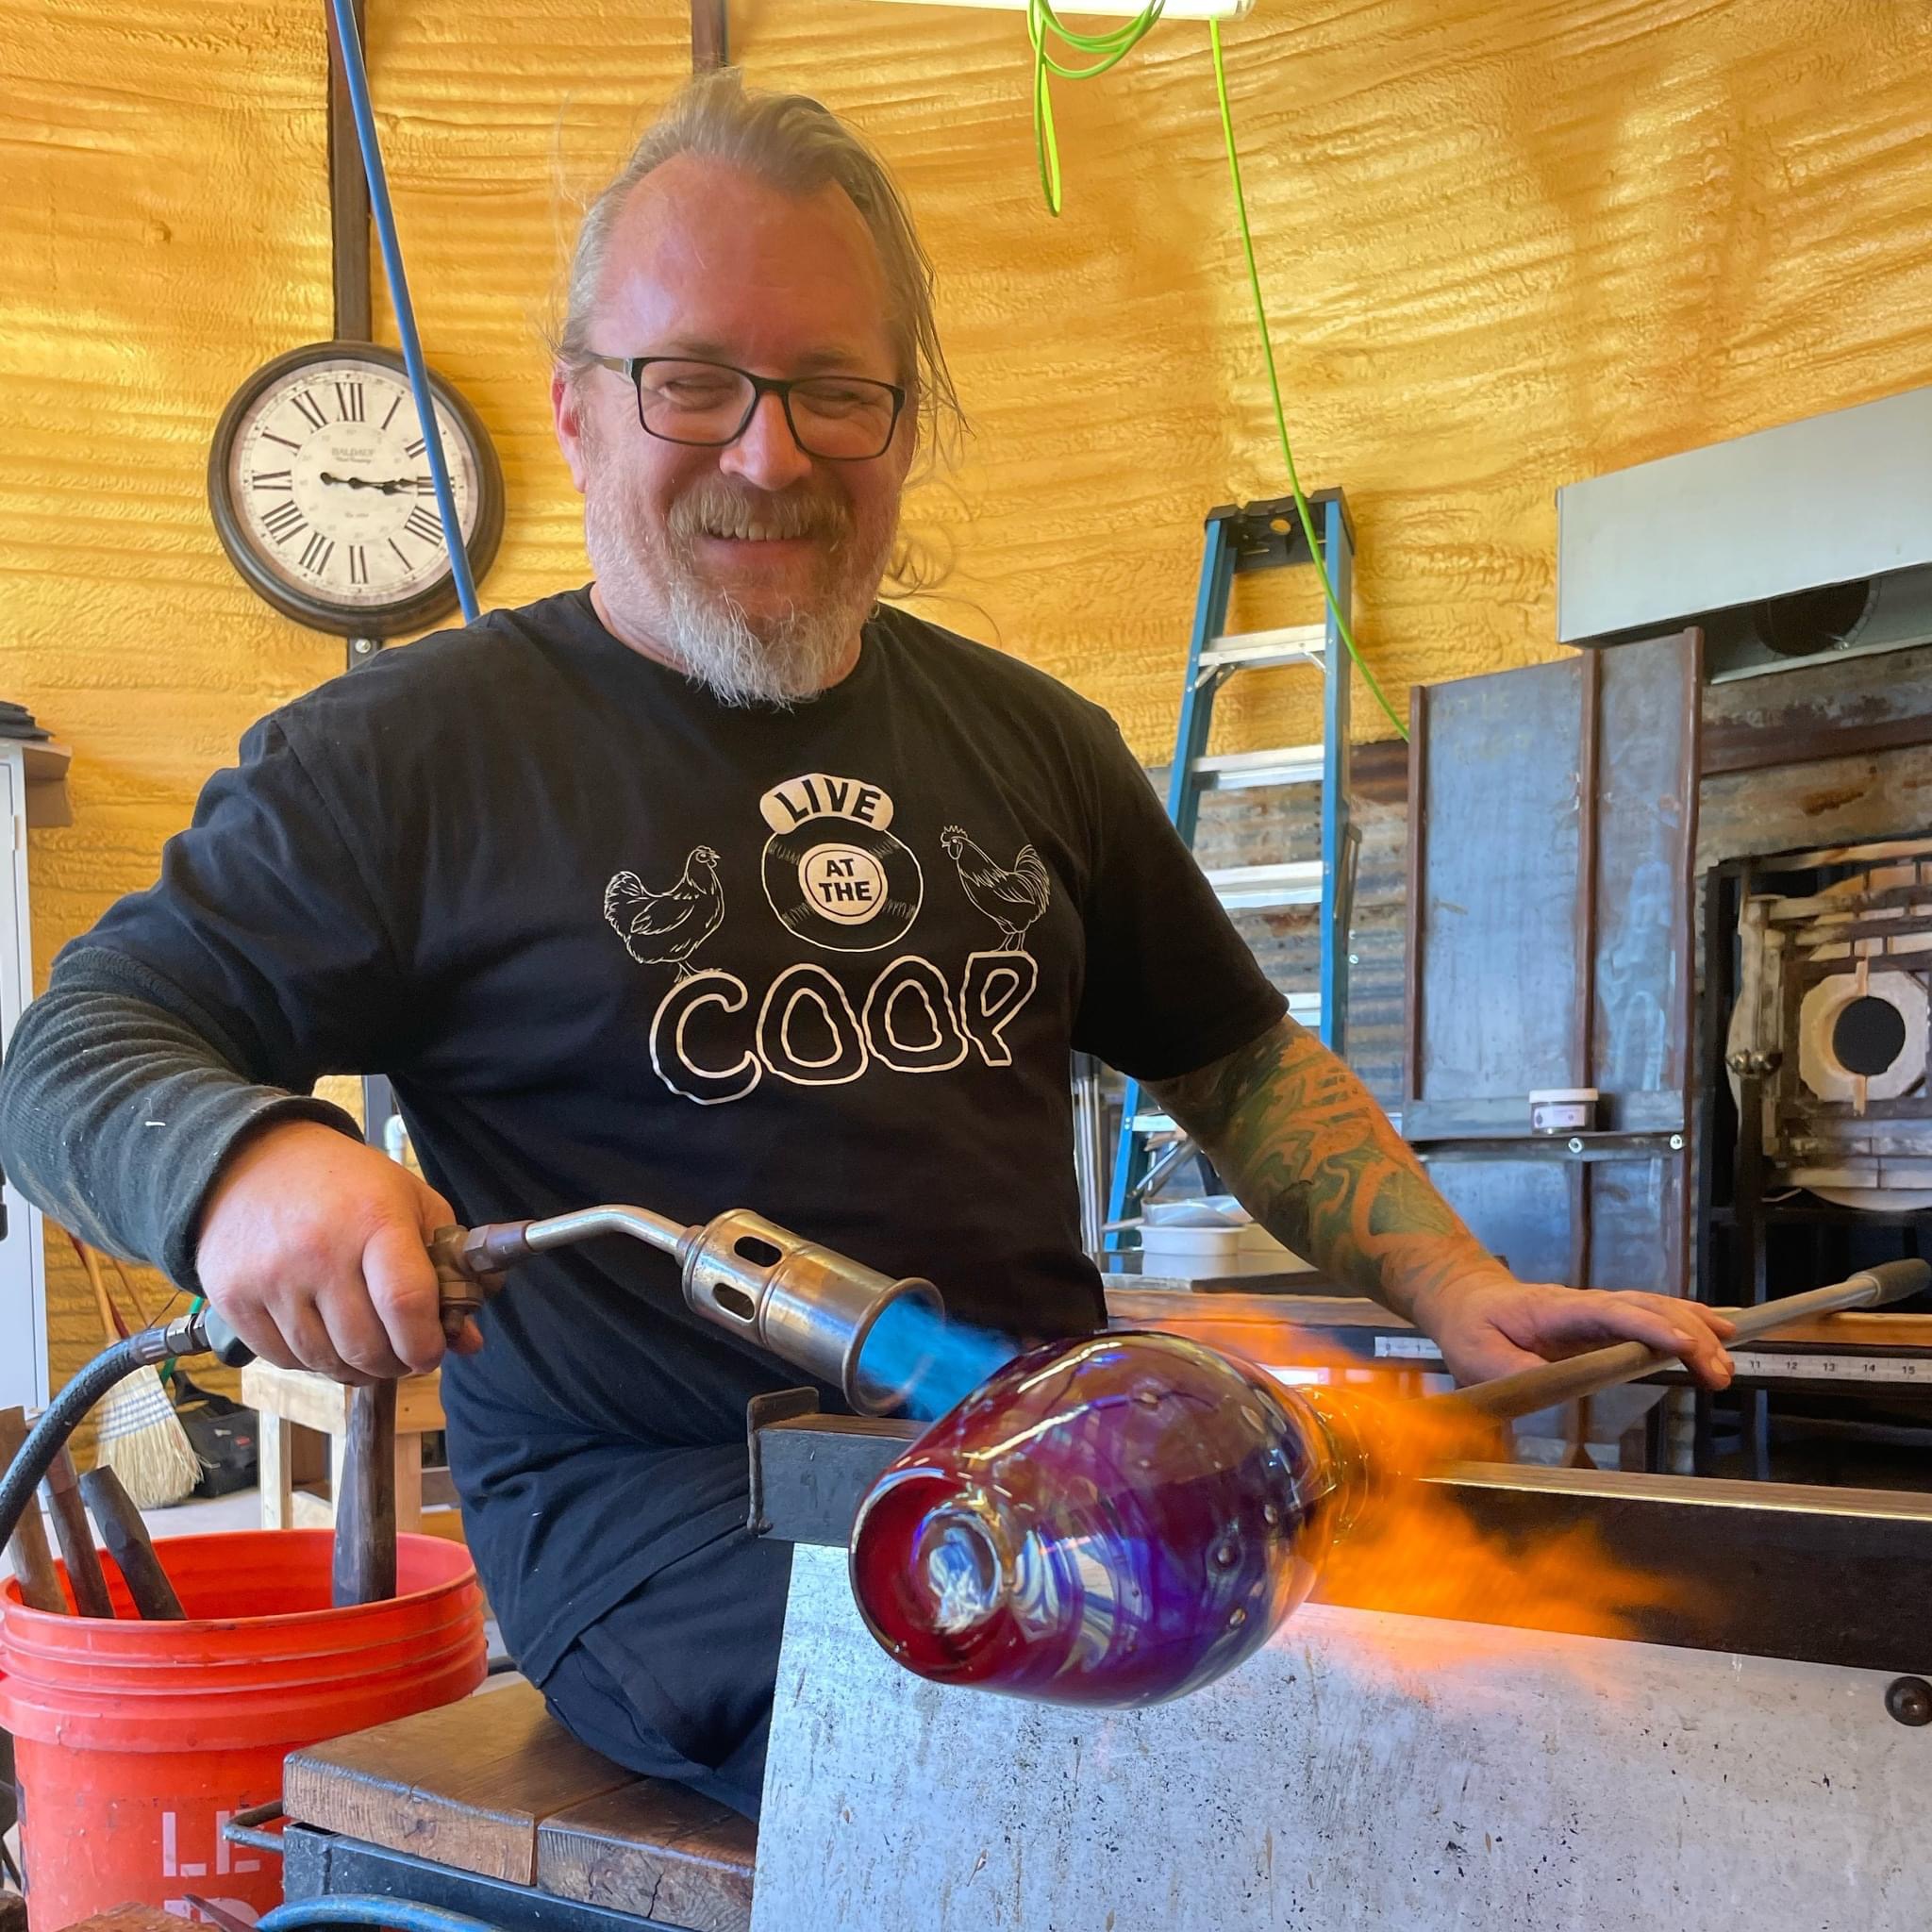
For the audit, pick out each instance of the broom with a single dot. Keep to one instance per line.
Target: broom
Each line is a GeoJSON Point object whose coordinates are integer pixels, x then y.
{"type": "Point", "coordinates": [140, 1437]}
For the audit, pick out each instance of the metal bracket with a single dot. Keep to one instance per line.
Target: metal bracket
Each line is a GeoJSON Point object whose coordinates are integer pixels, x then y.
{"type": "Point", "coordinates": [777, 1405]}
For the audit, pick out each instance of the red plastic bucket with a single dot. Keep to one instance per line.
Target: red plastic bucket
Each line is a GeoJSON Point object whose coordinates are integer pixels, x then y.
{"type": "Point", "coordinates": [136, 1742]}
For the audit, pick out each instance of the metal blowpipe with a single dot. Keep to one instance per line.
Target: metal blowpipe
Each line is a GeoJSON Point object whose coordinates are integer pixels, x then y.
{"type": "Point", "coordinates": [1509, 1397]}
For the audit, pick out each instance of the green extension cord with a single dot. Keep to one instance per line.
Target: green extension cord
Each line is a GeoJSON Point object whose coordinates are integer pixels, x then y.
{"type": "Point", "coordinates": [1108, 49]}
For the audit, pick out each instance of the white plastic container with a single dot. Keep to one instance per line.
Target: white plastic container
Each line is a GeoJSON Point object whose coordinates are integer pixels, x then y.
{"type": "Point", "coordinates": [1175, 1245]}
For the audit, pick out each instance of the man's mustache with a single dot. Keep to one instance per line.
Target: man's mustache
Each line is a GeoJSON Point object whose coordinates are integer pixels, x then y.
{"type": "Point", "coordinates": [718, 508]}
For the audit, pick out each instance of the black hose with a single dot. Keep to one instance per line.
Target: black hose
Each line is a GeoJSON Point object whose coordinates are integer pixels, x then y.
{"type": "Point", "coordinates": [203, 1332]}
{"type": "Point", "coordinates": [58, 1422]}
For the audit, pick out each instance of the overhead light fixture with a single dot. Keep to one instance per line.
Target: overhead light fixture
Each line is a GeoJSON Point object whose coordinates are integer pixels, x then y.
{"type": "Point", "coordinates": [1174, 10]}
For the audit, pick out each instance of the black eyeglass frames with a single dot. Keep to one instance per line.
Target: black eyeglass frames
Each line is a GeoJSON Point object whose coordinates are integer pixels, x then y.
{"type": "Point", "coordinates": [841, 419]}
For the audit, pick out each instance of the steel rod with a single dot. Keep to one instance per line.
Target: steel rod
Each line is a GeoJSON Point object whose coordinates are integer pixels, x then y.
{"type": "Point", "coordinates": [1509, 1397]}
{"type": "Point", "coordinates": [33, 1562]}
{"type": "Point", "coordinates": [362, 1569]}
{"type": "Point", "coordinates": [85, 1576]}
{"type": "Point", "coordinates": [128, 1543]}
{"type": "Point", "coordinates": [560, 1230]}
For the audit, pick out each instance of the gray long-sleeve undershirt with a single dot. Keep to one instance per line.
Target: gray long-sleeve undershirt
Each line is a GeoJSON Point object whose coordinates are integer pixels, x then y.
{"type": "Point", "coordinates": [116, 1115]}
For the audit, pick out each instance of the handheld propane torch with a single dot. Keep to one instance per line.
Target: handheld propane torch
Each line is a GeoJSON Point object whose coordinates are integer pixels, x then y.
{"type": "Point", "coordinates": [807, 1304]}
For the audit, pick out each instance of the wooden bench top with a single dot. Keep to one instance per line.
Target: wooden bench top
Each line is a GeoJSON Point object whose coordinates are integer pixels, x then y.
{"type": "Point", "coordinates": [127, 1918]}
{"type": "Point", "coordinates": [495, 1785]}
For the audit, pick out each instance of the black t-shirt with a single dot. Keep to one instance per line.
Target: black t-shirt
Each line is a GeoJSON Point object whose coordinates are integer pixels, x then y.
{"type": "Point", "coordinates": [615, 942]}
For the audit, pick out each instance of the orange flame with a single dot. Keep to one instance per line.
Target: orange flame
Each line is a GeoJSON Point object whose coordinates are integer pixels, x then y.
{"type": "Point", "coordinates": [1411, 1547]}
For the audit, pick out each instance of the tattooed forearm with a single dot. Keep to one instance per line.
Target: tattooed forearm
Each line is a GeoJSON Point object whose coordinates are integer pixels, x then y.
{"type": "Point", "coordinates": [1313, 1158]}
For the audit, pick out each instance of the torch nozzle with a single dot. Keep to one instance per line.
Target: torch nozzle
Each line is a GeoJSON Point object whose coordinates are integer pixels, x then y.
{"type": "Point", "coordinates": [812, 1306]}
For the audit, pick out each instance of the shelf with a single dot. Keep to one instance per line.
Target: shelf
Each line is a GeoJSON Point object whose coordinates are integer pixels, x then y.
{"type": "Point", "coordinates": [1827, 1214]}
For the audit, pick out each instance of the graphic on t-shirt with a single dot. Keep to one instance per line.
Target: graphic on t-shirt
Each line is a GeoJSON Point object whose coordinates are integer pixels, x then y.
{"type": "Point", "coordinates": [833, 873]}
{"type": "Point", "coordinates": [1012, 897]}
{"type": "Point", "coordinates": [713, 1041]}
{"type": "Point", "coordinates": [666, 928]}
{"type": "Point", "coordinates": [838, 878]}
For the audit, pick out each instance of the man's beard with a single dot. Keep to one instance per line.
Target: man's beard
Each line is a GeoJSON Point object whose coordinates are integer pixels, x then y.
{"type": "Point", "coordinates": [655, 577]}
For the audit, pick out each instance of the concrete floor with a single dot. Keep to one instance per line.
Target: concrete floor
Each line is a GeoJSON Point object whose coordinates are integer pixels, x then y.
{"type": "Point", "coordinates": [241, 1510]}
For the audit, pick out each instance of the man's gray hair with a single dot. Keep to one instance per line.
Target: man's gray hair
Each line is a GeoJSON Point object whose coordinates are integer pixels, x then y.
{"type": "Point", "coordinates": [797, 145]}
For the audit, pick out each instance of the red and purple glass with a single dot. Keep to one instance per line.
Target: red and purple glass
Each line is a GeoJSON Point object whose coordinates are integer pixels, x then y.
{"type": "Point", "coordinates": [1116, 1520]}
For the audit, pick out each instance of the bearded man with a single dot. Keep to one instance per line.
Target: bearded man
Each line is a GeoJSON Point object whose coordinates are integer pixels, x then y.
{"type": "Point", "coordinates": [712, 884]}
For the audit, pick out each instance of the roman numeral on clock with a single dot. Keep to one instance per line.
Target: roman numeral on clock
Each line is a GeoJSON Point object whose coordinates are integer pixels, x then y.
{"type": "Point", "coordinates": [359, 564]}
{"type": "Point", "coordinates": [414, 449]}
{"type": "Point", "coordinates": [348, 402]}
{"type": "Point", "coordinates": [419, 522]}
{"type": "Point", "coordinates": [283, 521]}
{"type": "Point", "coordinates": [310, 409]}
{"type": "Point", "coordinates": [395, 403]}
{"type": "Point", "coordinates": [316, 553]}
{"type": "Point", "coordinates": [271, 480]}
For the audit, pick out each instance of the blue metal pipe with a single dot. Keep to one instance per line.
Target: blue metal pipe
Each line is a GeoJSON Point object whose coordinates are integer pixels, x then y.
{"type": "Point", "coordinates": [349, 46]}
{"type": "Point", "coordinates": [349, 1909]}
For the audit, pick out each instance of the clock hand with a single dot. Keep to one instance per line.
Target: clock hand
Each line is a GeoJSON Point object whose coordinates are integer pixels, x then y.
{"type": "Point", "coordinates": [394, 486]}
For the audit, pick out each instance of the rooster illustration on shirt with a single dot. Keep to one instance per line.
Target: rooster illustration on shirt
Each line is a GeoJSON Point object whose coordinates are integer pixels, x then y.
{"type": "Point", "coordinates": [666, 928]}
{"type": "Point", "coordinates": [1011, 897]}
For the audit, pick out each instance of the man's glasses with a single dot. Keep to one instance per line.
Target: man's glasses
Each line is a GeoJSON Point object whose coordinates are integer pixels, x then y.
{"type": "Point", "coordinates": [842, 419]}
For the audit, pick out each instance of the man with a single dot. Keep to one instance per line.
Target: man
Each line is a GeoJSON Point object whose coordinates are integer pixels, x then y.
{"type": "Point", "coordinates": [715, 885]}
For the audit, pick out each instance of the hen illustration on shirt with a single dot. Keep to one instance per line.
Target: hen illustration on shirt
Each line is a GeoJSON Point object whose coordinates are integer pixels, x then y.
{"type": "Point", "coordinates": [666, 928]}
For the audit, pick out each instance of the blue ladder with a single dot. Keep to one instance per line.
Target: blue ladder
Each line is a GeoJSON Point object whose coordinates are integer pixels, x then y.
{"type": "Point", "coordinates": [1250, 537]}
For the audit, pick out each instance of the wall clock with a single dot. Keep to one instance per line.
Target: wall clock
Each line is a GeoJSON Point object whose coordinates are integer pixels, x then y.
{"type": "Point", "coordinates": [322, 497]}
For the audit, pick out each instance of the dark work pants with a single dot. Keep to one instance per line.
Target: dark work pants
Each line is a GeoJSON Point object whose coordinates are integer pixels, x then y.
{"type": "Point", "coordinates": [676, 1681]}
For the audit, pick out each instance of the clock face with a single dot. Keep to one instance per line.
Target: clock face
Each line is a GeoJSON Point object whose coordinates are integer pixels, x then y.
{"type": "Point", "coordinates": [321, 493]}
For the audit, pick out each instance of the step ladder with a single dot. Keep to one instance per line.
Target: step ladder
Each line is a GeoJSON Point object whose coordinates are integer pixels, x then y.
{"type": "Point", "coordinates": [1251, 537]}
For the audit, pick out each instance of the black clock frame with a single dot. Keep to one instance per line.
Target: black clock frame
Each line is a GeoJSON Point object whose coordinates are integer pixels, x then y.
{"type": "Point", "coordinates": [379, 621]}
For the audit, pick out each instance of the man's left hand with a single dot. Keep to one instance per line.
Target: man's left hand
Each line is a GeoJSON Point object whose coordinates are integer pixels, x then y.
{"type": "Point", "coordinates": [1490, 1323]}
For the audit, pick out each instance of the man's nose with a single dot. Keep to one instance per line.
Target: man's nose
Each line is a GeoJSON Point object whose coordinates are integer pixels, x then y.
{"type": "Point", "coordinates": [767, 454]}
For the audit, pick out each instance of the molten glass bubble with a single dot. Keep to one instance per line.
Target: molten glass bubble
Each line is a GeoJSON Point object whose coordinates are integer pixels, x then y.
{"type": "Point", "coordinates": [1116, 1521]}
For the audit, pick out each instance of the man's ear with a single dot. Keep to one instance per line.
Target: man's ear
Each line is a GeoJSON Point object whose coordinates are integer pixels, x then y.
{"type": "Point", "coordinates": [567, 414]}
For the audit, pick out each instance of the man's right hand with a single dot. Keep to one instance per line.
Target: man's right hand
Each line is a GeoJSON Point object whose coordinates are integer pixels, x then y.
{"type": "Point", "coordinates": [315, 1248]}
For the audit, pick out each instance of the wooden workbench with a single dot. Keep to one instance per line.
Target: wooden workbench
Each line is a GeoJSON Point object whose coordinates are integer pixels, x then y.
{"type": "Point", "coordinates": [493, 1787]}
